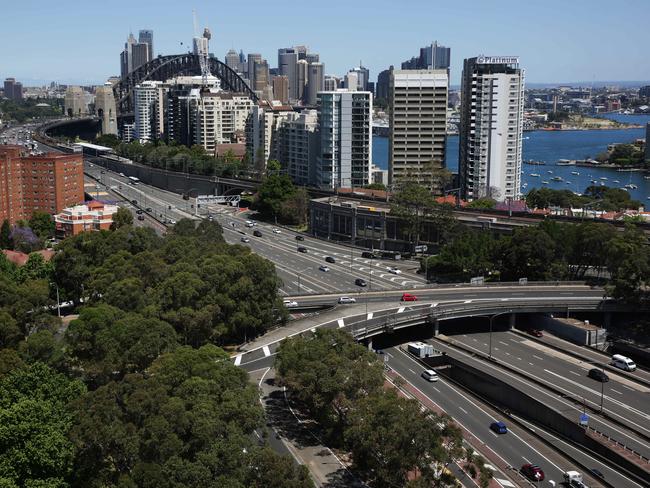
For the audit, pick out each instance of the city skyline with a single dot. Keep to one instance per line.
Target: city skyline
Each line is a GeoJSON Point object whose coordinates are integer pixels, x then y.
{"type": "Point", "coordinates": [551, 41]}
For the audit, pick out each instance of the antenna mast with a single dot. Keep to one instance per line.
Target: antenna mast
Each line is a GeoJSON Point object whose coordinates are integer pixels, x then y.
{"type": "Point", "coordinates": [201, 49]}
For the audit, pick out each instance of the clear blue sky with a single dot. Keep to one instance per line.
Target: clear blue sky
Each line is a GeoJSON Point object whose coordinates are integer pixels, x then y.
{"type": "Point", "coordinates": [557, 40]}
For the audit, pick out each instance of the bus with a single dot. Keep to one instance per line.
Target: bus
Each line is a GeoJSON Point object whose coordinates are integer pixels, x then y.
{"type": "Point", "coordinates": [133, 180]}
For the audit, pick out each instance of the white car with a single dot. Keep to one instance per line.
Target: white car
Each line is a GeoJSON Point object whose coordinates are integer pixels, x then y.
{"type": "Point", "coordinates": [290, 303]}
{"type": "Point", "coordinates": [276, 231]}
{"type": "Point", "coordinates": [245, 239]}
{"type": "Point", "coordinates": [347, 300]}
{"type": "Point", "coordinates": [324, 268]}
{"type": "Point", "coordinates": [392, 269]}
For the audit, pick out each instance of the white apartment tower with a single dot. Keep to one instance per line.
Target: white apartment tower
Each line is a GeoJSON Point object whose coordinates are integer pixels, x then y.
{"type": "Point", "coordinates": [148, 98]}
{"type": "Point", "coordinates": [219, 116]}
{"type": "Point", "coordinates": [418, 126]}
{"type": "Point", "coordinates": [345, 154]}
{"type": "Point", "coordinates": [491, 128]}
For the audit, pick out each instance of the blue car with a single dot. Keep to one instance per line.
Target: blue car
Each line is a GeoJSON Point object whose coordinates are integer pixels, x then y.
{"type": "Point", "coordinates": [499, 427]}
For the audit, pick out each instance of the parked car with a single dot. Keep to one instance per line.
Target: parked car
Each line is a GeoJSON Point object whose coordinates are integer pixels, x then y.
{"type": "Point", "coordinates": [290, 303]}
{"type": "Point", "coordinates": [535, 332]}
{"type": "Point", "coordinates": [408, 297]}
{"type": "Point", "coordinates": [532, 472]}
{"type": "Point", "coordinates": [276, 230]}
{"type": "Point", "coordinates": [245, 239]}
{"type": "Point", "coordinates": [330, 259]}
{"type": "Point", "coordinates": [598, 375]}
{"type": "Point", "coordinates": [148, 209]}
{"type": "Point", "coordinates": [347, 300]}
{"type": "Point", "coordinates": [257, 233]}
{"type": "Point", "coordinates": [394, 270]}
{"type": "Point", "coordinates": [360, 282]}
{"type": "Point", "coordinates": [134, 202]}
{"type": "Point", "coordinates": [300, 238]}
{"type": "Point", "coordinates": [140, 217]}
{"type": "Point", "coordinates": [499, 427]}
{"type": "Point", "coordinates": [139, 211]}
{"type": "Point", "coordinates": [302, 249]}
{"type": "Point", "coordinates": [324, 268]}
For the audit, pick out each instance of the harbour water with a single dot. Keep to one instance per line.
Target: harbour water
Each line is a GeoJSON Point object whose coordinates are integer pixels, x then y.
{"type": "Point", "coordinates": [551, 146]}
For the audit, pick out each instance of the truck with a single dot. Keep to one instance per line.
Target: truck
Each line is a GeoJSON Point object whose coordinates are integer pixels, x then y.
{"type": "Point", "coordinates": [421, 349]}
{"type": "Point", "coordinates": [574, 479]}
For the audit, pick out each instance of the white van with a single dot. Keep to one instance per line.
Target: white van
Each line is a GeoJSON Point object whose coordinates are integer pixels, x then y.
{"type": "Point", "coordinates": [623, 362]}
{"type": "Point", "coordinates": [430, 375]}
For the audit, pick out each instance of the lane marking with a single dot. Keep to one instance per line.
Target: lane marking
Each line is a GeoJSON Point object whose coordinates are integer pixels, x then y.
{"type": "Point", "coordinates": [537, 357]}
{"type": "Point", "coordinates": [341, 323]}
{"type": "Point", "coordinates": [616, 391]}
{"type": "Point", "coordinates": [238, 359]}
{"type": "Point", "coordinates": [266, 351]}
{"type": "Point", "coordinates": [463, 410]}
{"type": "Point", "coordinates": [401, 309]}
{"type": "Point", "coordinates": [370, 314]}
{"type": "Point", "coordinates": [412, 371]}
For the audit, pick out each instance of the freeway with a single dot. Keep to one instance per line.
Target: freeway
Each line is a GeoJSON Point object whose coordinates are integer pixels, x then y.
{"type": "Point", "coordinates": [515, 448]}
{"type": "Point", "coordinates": [299, 272]}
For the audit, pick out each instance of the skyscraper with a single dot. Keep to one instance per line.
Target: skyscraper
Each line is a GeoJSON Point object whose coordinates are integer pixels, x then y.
{"type": "Point", "coordinates": [140, 55]}
{"type": "Point", "coordinates": [433, 56]}
{"type": "Point", "coordinates": [287, 66]}
{"type": "Point", "coordinates": [260, 75]}
{"type": "Point", "coordinates": [315, 83]}
{"type": "Point", "coordinates": [148, 111]}
{"type": "Point", "coordinates": [145, 36]}
{"type": "Point", "coordinates": [345, 120]}
{"type": "Point", "coordinates": [252, 58]}
{"type": "Point", "coordinates": [302, 76]}
{"type": "Point", "coordinates": [281, 88]}
{"type": "Point", "coordinates": [232, 60]}
{"type": "Point", "coordinates": [363, 76]}
{"type": "Point", "coordinates": [9, 88]}
{"type": "Point", "coordinates": [383, 84]}
{"type": "Point", "coordinates": [331, 83]}
{"type": "Point", "coordinates": [18, 91]}
{"type": "Point", "coordinates": [418, 126]}
{"type": "Point", "coordinates": [491, 127]}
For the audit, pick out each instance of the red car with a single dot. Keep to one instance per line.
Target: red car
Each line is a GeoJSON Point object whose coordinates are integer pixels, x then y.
{"type": "Point", "coordinates": [532, 472]}
{"type": "Point", "coordinates": [535, 332]}
{"type": "Point", "coordinates": [407, 297]}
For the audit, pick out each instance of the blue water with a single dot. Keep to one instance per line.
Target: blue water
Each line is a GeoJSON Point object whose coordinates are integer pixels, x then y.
{"type": "Point", "coordinates": [550, 146]}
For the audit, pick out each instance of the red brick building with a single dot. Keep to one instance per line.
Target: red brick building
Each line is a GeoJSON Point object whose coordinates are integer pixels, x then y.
{"type": "Point", "coordinates": [50, 182]}
{"type": "Point", "coordinates": [93, 216]}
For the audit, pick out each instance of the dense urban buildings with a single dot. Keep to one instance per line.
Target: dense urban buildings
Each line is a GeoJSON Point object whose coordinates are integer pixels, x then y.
{"type": "Point", "coordinates": [345, 124]}
{"type": "Point", "coordinates": [418, 126]}
{"type": "Point", "coordinates": [433, 56]}
{"type": "Point", "coordinates": [491, 128]}
{"type": "Point", "coordinates": [48, 182]}
{"type": "Point", "coordinates": [145, 36]}
{"type": "Point", "coordinates": [93, 216]}
{"type": "Point", "coordinates": [13, 90]}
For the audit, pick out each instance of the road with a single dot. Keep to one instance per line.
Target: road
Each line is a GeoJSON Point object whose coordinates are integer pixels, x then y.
{"type": "Point", "coordinates": [299, 272]}
{"type": "Point", "coordinates": [622, 398]}
{"type": "Point", "coordinates": [518, 446]}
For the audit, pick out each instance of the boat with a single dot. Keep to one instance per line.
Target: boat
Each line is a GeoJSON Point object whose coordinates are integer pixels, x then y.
{"type": "Point", "coordinates": [568, 182]}
{"type": "Point", "coordinates": [594, 182]}
{"type": "Point", "coordinates": [550, 171]}
{"type": "Point", "coordinates": [602, 184]}
{"type": "Point", "coordinates": [557, 178]}
{"type": "Point", "coordinates": [535, 175]}
{"type": "Point", "coordinates": [631, 186]}
{"type": "Point", "coordinates": [575, 173]}
{"type": "Point", "coordinates": [535, 163]}
{"type": "Point", "coordinates": [646, 177]}
{"type": "Point", "coordinates": [565, 162]}
{"type": "Point", "coordinates": [603, 177]}
{"type": "Point", "coordinates": [544, 182]}
{"type": "Point", "coordinates": [615, 181]}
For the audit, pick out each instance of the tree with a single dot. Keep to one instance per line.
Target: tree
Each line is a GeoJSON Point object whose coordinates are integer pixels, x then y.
{"type": "Point", "coordinates": [482, 203]}
{"type": "Point", "coordinates": [42, 224]}
{"type": "Point", "coordinates": [122, 218]}
{"type": "Point", "coordinates": [326, 374]}
{"type": "Point", "coordinates": [389, 437]}
{"type": "Point", "coordinates": [469, 254]}
{"type": "Point", "coordinates": [35, 420]}
{"type": "Point", "coordinates": [273, 194]}
{"type": "Point", "coordinates": [411, 204]}
{"type": "Point", "coordinates": [108, 140]}
{"type": "Point", "coordinates": [24, 240]}
{"type": "Point", "coordinates": [526, 254]}
{"type": "Point", "coordinates": [5, 235]}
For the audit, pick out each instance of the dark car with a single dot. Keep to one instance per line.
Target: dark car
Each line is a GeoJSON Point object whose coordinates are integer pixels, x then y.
{"type": "Point", "coordinates": [597, 472]}
{"type": "Point", "coordinates": [330, 259]}
{"type": "Point", "coordinates": [532, 472]}
{"type": "Point", "coordinates": [535, 332]}
{"type": "Point", "coordinates": [499, 427]}
{"type": "Point", "coordinates": [257, 233]}
{"type": "Point", "coordinates": [360, 282]}
{"type": "Point", "coordinates": [302, 249]}
{"type": "Point", "coordinates": [598, 375]}
{"type": "Point", "coordinates": [139, 211]}
{"type": "Point", "coordinates": [140, 217]}
{"type": "Point", "coordinates": [134, 202]}
{"type": "Point", "coordinates": [300, 238]}
{"type": "Point", "coordinates": [148, 209]}
{"type": "Point", "coordinates": [367, 254]}
{"type": "Point", "coordinates": [103, 172]}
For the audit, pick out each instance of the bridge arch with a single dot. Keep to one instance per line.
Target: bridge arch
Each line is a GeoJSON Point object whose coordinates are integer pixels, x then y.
{"type": "Point", "coordinates": [165, 67]}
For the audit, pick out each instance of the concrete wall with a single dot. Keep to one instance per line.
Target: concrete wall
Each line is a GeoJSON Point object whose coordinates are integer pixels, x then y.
{"type": "Point", "coordinates": [570, 330]}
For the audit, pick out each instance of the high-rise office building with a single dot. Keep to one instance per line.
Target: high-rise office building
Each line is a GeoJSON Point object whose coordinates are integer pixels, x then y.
{"type": "Point", "coordinates": [9, 88]}
{"type": "Point", "coordinates": [345, 154]}
{"type": "Point", "coordinates": [418, 126]}
{"type": "Point", "coordinates": [18, 91]}
{"type": "Point", "coordinates": [149, 103]}
{"type": "Point", "coordinates": [252, 59]}
{"type": "Point", "coordinates": [363, 76]}
{"type": "Point", "coordinates": [140, 55]}
{"type": "Point", "coordinates": [145, 36]}
{"type": "Point", "coordinates": [260, 75]}
{"type": "Point", "coordinates": [126, 57]}
{"type": "Point", "coordinates": [351, 81]}
{"type": "Point", "coordinates": [331, 83]}
{"type": "Point", "coordinates": [491, 128]}
{"type": "Point", "coordinates": [232, 61]}
{"type": "Point", "coordinates": [287, 66]}
{"type": "Point", "coordinates": [315, 83]}
{"type": "Point", "coordinates": [281, 88]}
{"type": "Point", "coordinates": [302, 76]}
{"type": "Point", "coordinates": [435, 57]}
{"type": "Point", "coordinates": [383, 84]}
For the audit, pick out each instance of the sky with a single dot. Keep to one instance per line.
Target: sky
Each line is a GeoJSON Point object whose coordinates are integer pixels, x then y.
{"type": "Point", "coordinates": [72, 41]}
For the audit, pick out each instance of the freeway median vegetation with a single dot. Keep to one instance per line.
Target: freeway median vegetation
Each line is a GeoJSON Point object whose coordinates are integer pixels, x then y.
{"type": "Point", "coordinates": [135, 390]}
{"type": "Point", "coordinates": [340, 384]}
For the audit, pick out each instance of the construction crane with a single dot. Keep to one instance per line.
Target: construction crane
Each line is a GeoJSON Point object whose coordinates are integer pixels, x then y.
{"type": "Point", "coordinates": [201, 49]}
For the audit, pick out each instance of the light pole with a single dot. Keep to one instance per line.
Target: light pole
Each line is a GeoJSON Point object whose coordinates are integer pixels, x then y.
{"type": "Point", "coordinates": [299, 283]}
{"type": "Point", "coordinates": [492, 317]}
{"type": "Point", "coordinates": [58, 302]}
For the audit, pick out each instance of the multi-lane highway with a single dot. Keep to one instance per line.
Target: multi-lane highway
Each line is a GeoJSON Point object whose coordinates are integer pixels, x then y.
{"type": "Point", "coordinates": [300, 272]}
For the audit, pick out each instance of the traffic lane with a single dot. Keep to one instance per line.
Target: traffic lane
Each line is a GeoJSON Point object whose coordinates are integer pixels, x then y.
{"type": "Point", "coordinates": [619, 387]}
{"type": "Point", "coordinates": [515, 448]}
{"type": "Point", "coordinates": [559, 403]}
{"type": "Point", "coordinates": [561, 374]}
